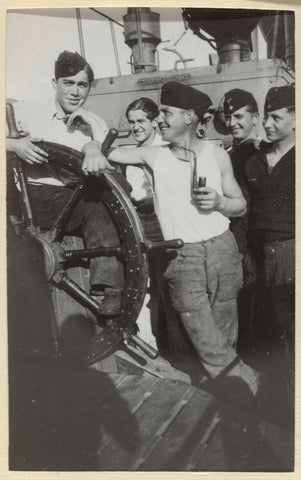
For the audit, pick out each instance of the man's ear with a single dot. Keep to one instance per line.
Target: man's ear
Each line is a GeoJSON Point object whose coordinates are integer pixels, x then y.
{"type": "Point", "coordinates": [155, 122]}
{"type": "Point", "coordinates": [255, 118]}
{"type": "Point", "coordinates": [54, 83]}
{"type": "Point", "coordinates": [189, 116]}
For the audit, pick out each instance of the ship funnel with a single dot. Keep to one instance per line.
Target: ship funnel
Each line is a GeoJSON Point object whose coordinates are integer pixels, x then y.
{"type": "Point", "coordinates": [142, 35]}
{"type": "Point", "coordinates": [231, 30]}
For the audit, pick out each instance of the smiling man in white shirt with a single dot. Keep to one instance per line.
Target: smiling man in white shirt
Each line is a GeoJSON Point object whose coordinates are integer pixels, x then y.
{"type": "Point", "coordinates": [205, 275]}
{"type": "Point", "coordinates": [66, 121]}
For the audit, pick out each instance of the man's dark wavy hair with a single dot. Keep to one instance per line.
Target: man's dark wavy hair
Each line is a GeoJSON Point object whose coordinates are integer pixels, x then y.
{"type": "Point", "coordinates": [146, 105]}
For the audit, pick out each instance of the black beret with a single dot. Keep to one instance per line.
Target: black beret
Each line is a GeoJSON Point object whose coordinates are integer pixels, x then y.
{"type": "Point", "coordinates": [178, 95]}
{"type": "Point", "coordinates": [236, 99]}
{"type": "Point", "coordinates": [280, 97]}
{"type": "Point", "coordinates": [69, 64]}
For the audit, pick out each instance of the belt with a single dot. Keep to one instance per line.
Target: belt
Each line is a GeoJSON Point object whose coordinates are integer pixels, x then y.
{"type": "Point", "coordinates": [171, 253]}
{"type": "Point", "coordinates": [211, 239]}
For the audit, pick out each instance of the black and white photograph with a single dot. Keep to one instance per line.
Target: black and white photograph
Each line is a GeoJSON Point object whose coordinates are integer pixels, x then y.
{"type": "Point", "coordinates": [150, 235]}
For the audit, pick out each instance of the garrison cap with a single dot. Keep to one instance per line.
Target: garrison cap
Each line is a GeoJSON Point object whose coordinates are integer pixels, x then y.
{"type": "Point", "coordinates": [69, 64]}
{"type": "Point", "coordinates": [176, 94]}
{"type": "Point", "coordinates": [236, 99]}
{"type": "Point", "coordinates": [280, 97]}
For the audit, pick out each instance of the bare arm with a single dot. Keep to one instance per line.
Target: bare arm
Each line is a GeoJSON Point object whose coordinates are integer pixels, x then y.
{"type": "Point", "coordinates": [95, 162]}
{"type": "Point", "coordinates": [132, 156]}
{"type": "Point", "coordinates": [26, 149]}
{"type": "Point", "coordinates": [232, 202]}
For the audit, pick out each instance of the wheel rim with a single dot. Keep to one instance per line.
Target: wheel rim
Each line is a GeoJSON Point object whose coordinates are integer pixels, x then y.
{"type": "Point", "coordinates": [65, 163]}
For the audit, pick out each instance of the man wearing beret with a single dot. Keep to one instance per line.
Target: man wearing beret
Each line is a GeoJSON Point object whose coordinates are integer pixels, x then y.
{"type": "Point", "coordinates": [66, 121]}
{"type": "Point", "coordinates": [205, 275]}
{"type": "Point", "coordinates": [142, 115]}
{"type": "Point", "coordinates": [270, 181]}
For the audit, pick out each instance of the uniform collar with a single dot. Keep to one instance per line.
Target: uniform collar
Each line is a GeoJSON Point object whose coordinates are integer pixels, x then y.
{"type": "Point", "coordinates": [255, 139]}
{"type": "Point", "coordinates": [57, 111]}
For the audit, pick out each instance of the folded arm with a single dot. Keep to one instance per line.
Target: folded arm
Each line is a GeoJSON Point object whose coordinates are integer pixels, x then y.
{"type": "Point", "coordinates": [98, 126]}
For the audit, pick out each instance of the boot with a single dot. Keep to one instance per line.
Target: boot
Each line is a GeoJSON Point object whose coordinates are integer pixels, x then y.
{"type": "Point", "coordinates": [220, 360]}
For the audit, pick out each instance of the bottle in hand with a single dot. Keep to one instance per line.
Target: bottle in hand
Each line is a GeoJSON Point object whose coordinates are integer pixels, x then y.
{"type": "Point", "coordinates": [201, 183]}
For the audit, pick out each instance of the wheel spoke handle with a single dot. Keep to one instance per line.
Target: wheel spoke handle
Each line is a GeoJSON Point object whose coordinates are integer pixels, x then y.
{"type": "Point", "coordinates": [57, 228]}
{"type": "Point", "coordinates": [110, 138]}
{"type": "Point", "coordinates": [146, 246]}
{"type": "Point", "coordinates": [145, 347]}
{"type": "Point", "coordinates": [76, 292]}
{"type": "Point", "coordinates": [25, 197]}
{"type": "Point", "coordinates": [94, 252]}
{"type": "Point", "coordinates": [149, 246]}
{"type": "Point", "coordinates": [26, 201]}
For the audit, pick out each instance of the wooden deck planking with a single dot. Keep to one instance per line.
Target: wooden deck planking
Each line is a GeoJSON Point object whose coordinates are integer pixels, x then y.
{"type": "Point", "coordinates": [83, 420]}
{"type": "Point", "coordinates": [245, 442]}
{"type": "Point", "coordinates": [185, 434]}
{"type": "Point", "coordinates": [135, 388]}
{"type": "Point", "coordinates": [135, 391]}
{"type": "Point", "coordinates": [159, 408]}
{"type": "Point", "coordinates": [159, 367]}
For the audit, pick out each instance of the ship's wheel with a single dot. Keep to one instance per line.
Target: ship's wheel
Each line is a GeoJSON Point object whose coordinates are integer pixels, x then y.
{"type": "Point", "coordinates": [51, 314]}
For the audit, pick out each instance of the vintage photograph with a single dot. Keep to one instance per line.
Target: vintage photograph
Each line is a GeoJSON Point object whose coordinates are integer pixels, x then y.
{"type": "Point", "coordinates": [151, 239]}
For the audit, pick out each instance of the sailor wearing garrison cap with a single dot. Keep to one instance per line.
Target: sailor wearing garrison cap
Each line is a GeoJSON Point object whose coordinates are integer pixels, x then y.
{"type": "Point", "coordinates": [205, 275]}
{"type": "Point", "coordinates": [241, 114]}
{"type": "Point", "coordinates": [280, 97]}
{"type": "Point", "coordinates": [65, 121]}
{"type": "Point", "coordinates": [270, 180]}
{"type": "Point", "coordinates": [69, 64]}
{"type": "Point", "coordinates": [241, 117]}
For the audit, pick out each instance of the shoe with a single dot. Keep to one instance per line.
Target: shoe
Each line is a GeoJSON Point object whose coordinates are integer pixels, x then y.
{"type": "Point", "coordinates": [237, 384]}
{"type": "Point", "coordinates": [111, 303]}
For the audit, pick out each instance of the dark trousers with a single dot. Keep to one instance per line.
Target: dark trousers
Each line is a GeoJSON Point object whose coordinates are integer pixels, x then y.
{"type": "Point", "coordinates": [89, 219]}
{"type": "Point", "coordinates": [274, 323]}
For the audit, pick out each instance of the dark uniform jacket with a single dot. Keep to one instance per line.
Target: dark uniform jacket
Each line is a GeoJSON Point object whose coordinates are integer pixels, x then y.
{"type": "Point", "coordinates": [240, 155]}
{"type": "Point", "coordinates": [272, 194]}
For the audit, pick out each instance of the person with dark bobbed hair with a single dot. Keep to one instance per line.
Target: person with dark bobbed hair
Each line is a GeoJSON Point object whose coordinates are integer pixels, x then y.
{"type": "Point", "coordinates": [65, 120]}
{"type": "Point", "coordinates": [142, 117]}
{"type": "Point", "coordinates": [145, 105]}
{"type": "Point", "coordinates": [269, 179]}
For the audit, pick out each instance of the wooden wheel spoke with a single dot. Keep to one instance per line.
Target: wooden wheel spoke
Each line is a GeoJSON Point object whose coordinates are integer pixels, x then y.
{"type": "Point", "coordinates": [78, 334]}
{"type": "Point", "coordinates": [94, 252]}
{"type": "Point", "coordinates": [57, 229]}
{"type": "Point", "coordinates": [76, 292]}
